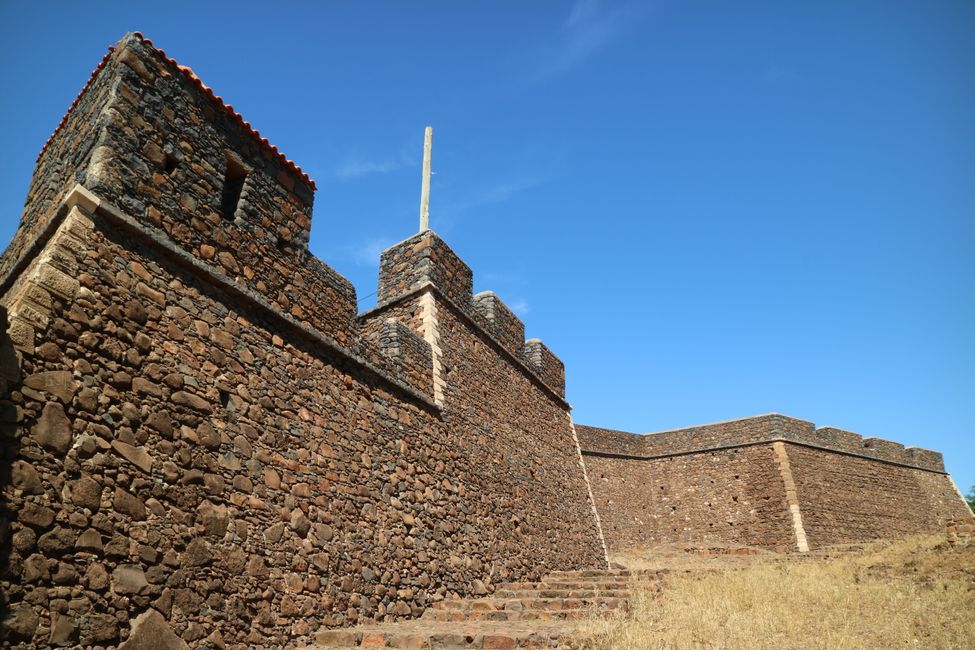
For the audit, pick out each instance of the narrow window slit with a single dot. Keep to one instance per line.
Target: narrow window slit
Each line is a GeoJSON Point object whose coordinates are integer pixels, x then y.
{"type": "Point", "coordinates": [233, 185]}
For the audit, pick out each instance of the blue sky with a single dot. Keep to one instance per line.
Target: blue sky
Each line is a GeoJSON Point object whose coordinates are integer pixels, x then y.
{"type": "Point", "coordinates": [708, 209]}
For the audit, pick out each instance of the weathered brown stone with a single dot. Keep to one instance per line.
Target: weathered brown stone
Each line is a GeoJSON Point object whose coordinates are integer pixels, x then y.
{"type": "Point", "coordinates": [189, 399]}
{"type": "Point", "coordinates": [53, 428]}
{"type": "Point", "coordinates": [59, 383]}
{"type": "Point", "coordinates": [101, 628]}
{"type": "Point", "coordinates": [162, 422]}
{"type": "Point", "coordinates": [90, 540]}
{"type": "Point", "coordinates": [21, 622]}
{"type": "Point", "coordinates": [36, 568]}
{"type": "Point", "coordinates": [197, 553]}
{"type": "Point", "coordinates": [57, 541]}
{"type": "Point", "coordinates": [34, 515]}
{"type": "Point", "coordinates": [96, 577]}
{"type": "Point", "coordinates": [214, 519]}
{"type": "Point", "coordinates": [24, 539]}
{"type": "Point", "coordinates": [86, 492]}
{"type": "Point", "coordinates": [129, 579]}
{"type": "Point", "coordinates": [256, 567]}
{"type": "Point", "coordinates": [138, 456]}
{"type": "Point", "coordinates": [64, 630]}
{"type": "Point", "coordinates": [151, 631]}
{"type": "Point", "coordinates": [146, 387]}
{"type": "Point", "coordinates": [24, 477]}
{"type": "Point", "coordinates": [127, 503]}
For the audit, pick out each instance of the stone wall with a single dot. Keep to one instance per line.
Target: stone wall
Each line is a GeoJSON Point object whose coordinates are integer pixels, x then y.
{"type": "Point", "coordinates": [759, 428]}
{"type": "Point", "coordinates": [770, 480]}
{"type": "Point", "coordinates": [850, 499]}
{"type": "Point", "coordinates": [733, 496]}
{"type": "Point", "coordinates": [200, 437]}
{"type": "Point", "coordinates": [961, 531]}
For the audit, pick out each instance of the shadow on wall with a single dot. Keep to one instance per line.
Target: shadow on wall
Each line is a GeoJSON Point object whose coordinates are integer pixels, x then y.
{"type": "Point", "coordinates": [9, 448]}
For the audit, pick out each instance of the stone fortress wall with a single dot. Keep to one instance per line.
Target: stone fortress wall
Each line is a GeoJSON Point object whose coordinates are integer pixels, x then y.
{"type": "Point", "coordinates": [770, 480]}
{"type": "Point", "coordinates": [197, 422]}
{"type": "Point", "coordinates": [202, 437]}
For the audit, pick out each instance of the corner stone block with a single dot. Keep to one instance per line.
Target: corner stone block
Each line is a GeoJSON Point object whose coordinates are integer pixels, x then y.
{"type": "Point", "coordinates": [58, 282]}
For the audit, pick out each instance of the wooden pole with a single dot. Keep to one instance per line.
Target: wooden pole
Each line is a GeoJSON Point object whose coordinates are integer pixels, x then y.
{"type": "Point", "coordinates": [425, 187]}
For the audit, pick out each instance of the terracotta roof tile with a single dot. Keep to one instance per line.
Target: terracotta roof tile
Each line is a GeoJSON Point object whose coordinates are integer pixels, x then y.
{"type": "Point", "coordinates": [207, 91]}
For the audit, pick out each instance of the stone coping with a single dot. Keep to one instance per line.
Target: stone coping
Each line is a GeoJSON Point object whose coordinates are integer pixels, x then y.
{"type": "Point", "coordinates": [760, 429]}
{"type": "Point", "coordinates": [754, 443]}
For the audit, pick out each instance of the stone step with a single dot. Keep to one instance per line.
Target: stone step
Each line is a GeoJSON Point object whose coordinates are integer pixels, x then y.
{"type": "Point", "coordinates": [510, 615]}
{"type": "Point", "coordinates": [642, 578]}
{"type": "Point", "coordinates": [572, 585]}
{"type": "Point", "coordinates": [590, 573]}
{"type": "Point", "coordinates": [448, 635]}
{"type": "Point", "coordinates": [544, 592]}
{"type": "Point", "coordinates": [546, 614]}
{"type": "Point", "coordinates": [528, 604]}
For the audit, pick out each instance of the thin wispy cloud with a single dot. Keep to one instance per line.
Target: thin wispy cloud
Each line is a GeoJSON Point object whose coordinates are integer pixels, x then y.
{"type": "Point", "coordinates": [490, 194]}
{"type": "Point", "coordinates": [355, 167]}
{"type": "Point", "coordinates": [367, 253]}
{"type": "Point", "coordinates": [520, 307]}
{"type": "Point", "coordinates": [590, 26]}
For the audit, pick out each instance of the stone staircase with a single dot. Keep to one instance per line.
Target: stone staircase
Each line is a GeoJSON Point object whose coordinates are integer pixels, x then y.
{"type": "Point", "coordinates": [552, 613]}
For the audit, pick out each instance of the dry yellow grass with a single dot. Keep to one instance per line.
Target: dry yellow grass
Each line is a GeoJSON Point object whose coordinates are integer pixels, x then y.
{"type": "Point", "coordinates": [913, 594]}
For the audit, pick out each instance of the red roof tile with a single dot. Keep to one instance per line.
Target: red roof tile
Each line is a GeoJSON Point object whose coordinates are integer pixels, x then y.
{"type": "Point", "coordinates": [218, 101]}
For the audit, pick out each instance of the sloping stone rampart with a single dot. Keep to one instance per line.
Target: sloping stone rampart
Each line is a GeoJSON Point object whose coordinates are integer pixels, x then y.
{"type": "Point", "coordinates": [769, 480]}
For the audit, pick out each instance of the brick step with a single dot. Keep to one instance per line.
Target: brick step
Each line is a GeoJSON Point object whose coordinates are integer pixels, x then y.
{"type": "Point", "coordinates": [448, 635]}
{"type": "Point", "coordinates": [529, 603]}
{"type": "Point", "coordinates": [542, 591]}
{"type": "Point", "coordinates": [510, 615]}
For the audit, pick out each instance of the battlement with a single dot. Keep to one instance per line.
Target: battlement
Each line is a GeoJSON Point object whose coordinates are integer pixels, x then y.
{"type": "Point", "coordinates": [426, 261]}
{"type": "Point", "coordinates": [549, 366]}
{"type": "Point", "coordinates": [180, 375]}
{"type": "Point", "coordinates": [750, 431]}
{"type": "Point", "coordinates": [147, 137]}
{"type": "Point", "coordinates": [501, 321]}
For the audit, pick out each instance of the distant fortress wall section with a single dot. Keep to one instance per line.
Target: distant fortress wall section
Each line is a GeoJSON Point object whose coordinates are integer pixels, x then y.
{"type": "Point", "coordinates": [770, 481]}
{"type": "Point", "coordinates": [196, 421]}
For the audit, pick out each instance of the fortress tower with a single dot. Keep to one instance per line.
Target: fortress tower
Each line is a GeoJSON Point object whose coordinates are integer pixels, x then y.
{"type": "Point", "coordinates": [203, 439]}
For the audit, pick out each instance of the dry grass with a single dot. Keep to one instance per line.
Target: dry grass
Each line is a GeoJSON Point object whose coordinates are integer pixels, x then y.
{"type": "Point", "coordinates": [913, 594]}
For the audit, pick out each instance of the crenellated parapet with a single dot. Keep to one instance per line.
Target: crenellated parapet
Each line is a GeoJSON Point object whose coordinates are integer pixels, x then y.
{"type": "Point", "coordinates": [424, 262]}
{"type": "Point", "coordinates": [501, 321]}
{"type": "Point", "coordinates": [750, 431]}
{"type": "Point", "coordinates": [190, 392]}
{"type": "Point", "coordinates": [549, 366]}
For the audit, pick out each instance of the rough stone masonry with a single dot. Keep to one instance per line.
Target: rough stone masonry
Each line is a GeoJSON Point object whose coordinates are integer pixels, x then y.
{"type": "Point", "coordinates": [203, 438]}
{"type": "Point", "coordinates": [205, 445]}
